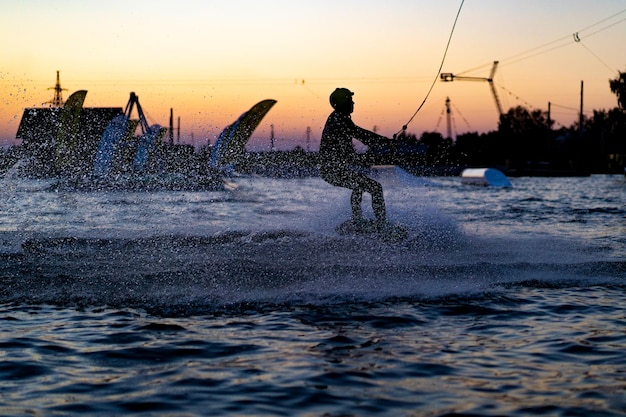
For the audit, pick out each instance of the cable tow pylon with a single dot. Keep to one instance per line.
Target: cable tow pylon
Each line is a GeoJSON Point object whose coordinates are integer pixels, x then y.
{"type": "Point", "coordinates": [448, 77]}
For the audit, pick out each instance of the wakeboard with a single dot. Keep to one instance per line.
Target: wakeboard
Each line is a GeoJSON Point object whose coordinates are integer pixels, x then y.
{"type": "Point", "coordinates": [369, 228]}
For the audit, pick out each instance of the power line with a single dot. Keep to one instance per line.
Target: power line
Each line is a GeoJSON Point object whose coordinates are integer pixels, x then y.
{"type": "Point", "coordinates": [597, 57]}
{"type": "Point", "coordinates": [604, 20]}
{"type": "Point", "coordinates": [517, 97]}
{"type": "Point", "coordinates": [554, 44]}
{"type": "Point", "coordinates": [564, 107]}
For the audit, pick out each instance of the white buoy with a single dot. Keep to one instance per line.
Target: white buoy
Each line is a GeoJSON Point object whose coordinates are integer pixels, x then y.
{"type": "Point", "coordinates": [485, 177]}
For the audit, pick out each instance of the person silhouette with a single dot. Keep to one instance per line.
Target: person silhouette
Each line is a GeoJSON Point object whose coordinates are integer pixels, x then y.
{"type": "Point", "coordinates": [338, 157]}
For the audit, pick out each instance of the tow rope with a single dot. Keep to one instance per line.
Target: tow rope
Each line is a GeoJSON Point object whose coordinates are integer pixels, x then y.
{"type": "Point", "coordinates": [406, 125]}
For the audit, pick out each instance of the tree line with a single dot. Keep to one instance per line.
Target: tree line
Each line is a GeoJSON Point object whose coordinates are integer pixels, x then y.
{"type": "Point", "coordinates": [526, 142]}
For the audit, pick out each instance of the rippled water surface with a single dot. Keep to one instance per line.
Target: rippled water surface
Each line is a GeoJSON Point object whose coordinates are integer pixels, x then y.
{"type": "Point", "coordinates": [500, 302]}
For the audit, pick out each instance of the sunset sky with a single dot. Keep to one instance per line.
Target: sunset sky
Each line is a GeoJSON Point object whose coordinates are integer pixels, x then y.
{"type": "Point", "coordinates": [212, 60]}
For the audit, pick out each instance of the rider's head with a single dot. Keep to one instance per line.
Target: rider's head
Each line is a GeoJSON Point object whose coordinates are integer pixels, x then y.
{"type": "Point", "coordinates": [341, 100]}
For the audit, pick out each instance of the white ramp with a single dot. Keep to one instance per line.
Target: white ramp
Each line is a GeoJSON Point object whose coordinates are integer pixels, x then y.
{"type": "Point", "coordinates": [485, 177]}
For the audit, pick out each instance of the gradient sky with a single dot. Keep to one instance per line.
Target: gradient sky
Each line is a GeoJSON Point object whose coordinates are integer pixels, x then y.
{"type": "Point", "coordinates": [212, 60]}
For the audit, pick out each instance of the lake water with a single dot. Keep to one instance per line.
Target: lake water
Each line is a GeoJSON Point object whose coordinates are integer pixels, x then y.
{"type": "Point", "coordinates": [247, 302]}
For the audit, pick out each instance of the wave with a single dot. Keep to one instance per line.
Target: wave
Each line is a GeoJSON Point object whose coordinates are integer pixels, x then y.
{"type": "Point", "coordinates": [271, 241]}
{"type": "Point", "coordinates": [194, 274]}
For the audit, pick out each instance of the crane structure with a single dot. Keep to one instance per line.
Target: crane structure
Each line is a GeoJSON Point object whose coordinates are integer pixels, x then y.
{"type": "Point", "coordinates": [448, 77]}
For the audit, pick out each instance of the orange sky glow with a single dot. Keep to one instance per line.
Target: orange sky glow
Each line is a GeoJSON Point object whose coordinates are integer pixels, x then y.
{"type": "Point", "coordinates": [212, 60]}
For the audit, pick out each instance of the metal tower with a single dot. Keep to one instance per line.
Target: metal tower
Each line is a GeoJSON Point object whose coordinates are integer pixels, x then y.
{"type": "Point", "coordinates": [57, 101]}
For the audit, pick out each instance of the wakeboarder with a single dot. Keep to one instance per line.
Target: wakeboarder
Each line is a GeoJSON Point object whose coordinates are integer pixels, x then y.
{"type": "Point", "coordinates": [338, 157]}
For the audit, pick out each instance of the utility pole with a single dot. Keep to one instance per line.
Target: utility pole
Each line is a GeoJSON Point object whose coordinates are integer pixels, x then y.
{"type": "Point", "coordinates": [272, 147]}
{"type": "Point", "coordinates": [580, 119]}
{"type": "Point", "coordinates": [308, 139]}
{"type": "Point", "coordinates": [549, 115]}
{"type": "Point", "coordinates": [448, 117]}
{"type": "Point", "coordinates": [171, 133]}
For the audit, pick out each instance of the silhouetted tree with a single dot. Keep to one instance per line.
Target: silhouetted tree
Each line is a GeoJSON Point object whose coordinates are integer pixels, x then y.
{"type": "Point", "coordinates": [476, 150]}
{"type": "Point", "coordinates": [616, 140]}
{"type": "Point", "coordinates": [408, 150]}
{"type": "Point", "coordinates": [604, 140]}
{"type": "Point", "coordinates": [526, 134]}
{"type": "Point", "coordinates": [618, 87]}
{"type": "Point", "coordinates": [438, 149]}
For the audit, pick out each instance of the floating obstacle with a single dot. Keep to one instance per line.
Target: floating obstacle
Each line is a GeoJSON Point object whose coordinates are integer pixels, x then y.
{"type": "Point", "coordinates": [485, 177]}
